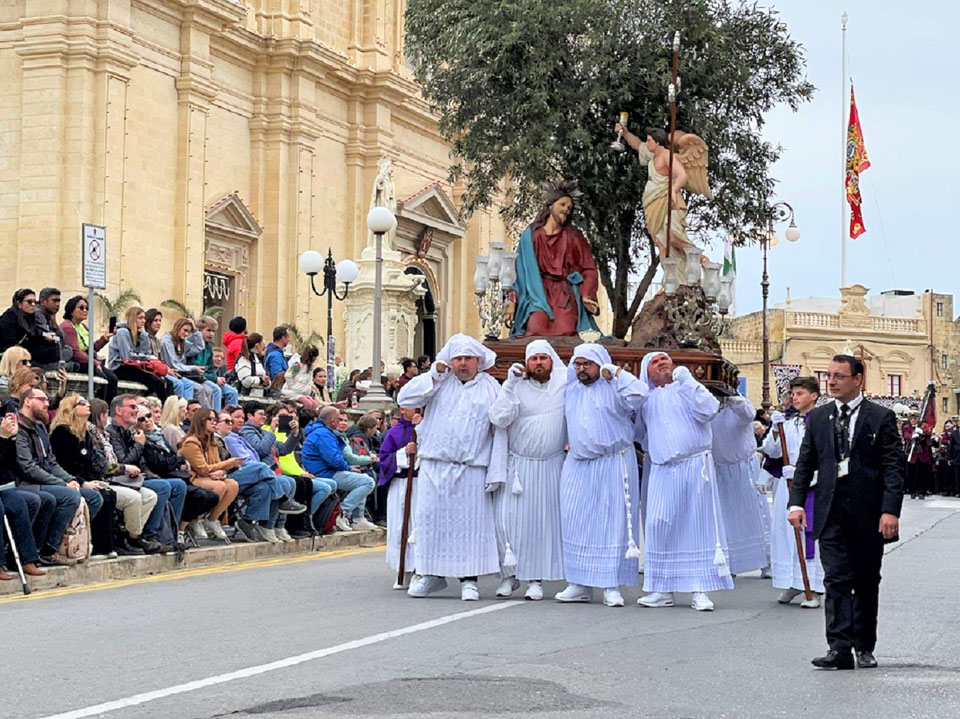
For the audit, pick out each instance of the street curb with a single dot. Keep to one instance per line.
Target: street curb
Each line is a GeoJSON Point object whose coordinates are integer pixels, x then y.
{"type": "Point", "coordinates": [210, 553]}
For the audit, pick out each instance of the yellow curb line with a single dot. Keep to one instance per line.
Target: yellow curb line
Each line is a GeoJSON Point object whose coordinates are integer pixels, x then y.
{"type": "Point", "coordinates": [185, 573]}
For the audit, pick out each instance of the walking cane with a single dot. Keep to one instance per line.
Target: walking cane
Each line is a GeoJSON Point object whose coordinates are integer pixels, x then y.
{"type": "Point", "coordinates": [405, 527]}
{"type": "Point", "coordinates": [16, 555]}
{"type": "Point", "coordinates": [797, 532]}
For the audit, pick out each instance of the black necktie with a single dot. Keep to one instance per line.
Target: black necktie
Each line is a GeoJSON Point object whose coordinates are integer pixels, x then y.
{"type": "Point", "coordinates": [843, 432]}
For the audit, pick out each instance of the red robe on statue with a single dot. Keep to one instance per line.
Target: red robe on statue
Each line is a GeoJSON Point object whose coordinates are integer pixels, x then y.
{"type": "Point", "coordinates": [557, 256]}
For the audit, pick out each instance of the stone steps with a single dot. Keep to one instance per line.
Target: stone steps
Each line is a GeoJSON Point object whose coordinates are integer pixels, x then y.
{"type": "Point", "coordinates": [210, 553]}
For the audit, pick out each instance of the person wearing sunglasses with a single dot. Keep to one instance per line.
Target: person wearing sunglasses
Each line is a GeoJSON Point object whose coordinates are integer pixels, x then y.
{"type": "Point", "coordinates": [21, 325]}
{"type": "Point", "coordinates": [76, 336]}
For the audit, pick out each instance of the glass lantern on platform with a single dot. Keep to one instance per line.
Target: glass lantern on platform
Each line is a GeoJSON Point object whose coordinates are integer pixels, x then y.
{"type": "Point", "coordinates": [711, 280]}
{"type": "Point", "coordinates": [494, 277]}
{"type": "Point", "coordinates": [692, 266]}
{"type": "Point", "coordinates": [671, 275]}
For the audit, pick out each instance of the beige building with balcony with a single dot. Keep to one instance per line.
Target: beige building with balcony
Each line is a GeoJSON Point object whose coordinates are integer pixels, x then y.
{"type": "Point", "coordinates": [905, 340]}
{"type": "Point", "coordinates": [219, 139]}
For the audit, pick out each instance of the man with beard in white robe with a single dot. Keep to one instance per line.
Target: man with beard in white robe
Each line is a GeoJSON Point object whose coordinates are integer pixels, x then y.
{"type": "Point", "coordinates": [455, 534]}
{"type": "Point", "coordinates": [599, 500]}
{"type": "Point", "coordinates": [685, 543]}
{"type": "Point", "coordinates": [529, 409]}
{"type": "Point", "coordinates": [735, 460]}
{"type": "Point", "coordinates": [784, 561]}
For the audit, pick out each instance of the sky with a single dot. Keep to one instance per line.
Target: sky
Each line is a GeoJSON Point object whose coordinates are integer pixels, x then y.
{"type": "Point", "coordinates": [905, 62]}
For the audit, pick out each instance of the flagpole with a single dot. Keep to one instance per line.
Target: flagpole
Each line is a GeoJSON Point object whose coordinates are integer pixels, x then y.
{"type": "Point", "coordinates": [845, 95]}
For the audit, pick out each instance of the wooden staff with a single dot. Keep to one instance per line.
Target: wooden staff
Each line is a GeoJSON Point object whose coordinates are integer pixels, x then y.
{"type": "Point", "coordinates": [797, 531]}
{"type": "Point", "coordinates": [405, 527]}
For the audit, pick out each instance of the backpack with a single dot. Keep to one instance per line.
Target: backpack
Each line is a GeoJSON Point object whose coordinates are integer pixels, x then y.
{"type": "Point", "coordinates": [327, 513]}
{"type": "Point", "coordinates": [76, 542]}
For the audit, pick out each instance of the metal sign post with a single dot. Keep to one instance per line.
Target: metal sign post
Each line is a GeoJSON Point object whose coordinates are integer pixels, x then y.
{"type": "Point", "coordinates": [94, 241]}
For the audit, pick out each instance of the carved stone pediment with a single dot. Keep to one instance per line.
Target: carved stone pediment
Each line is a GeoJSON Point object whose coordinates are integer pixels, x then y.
{"type": "Point", "coordinates": [432, 207]}
{"type": "Point", "coordinates": [231, 216]}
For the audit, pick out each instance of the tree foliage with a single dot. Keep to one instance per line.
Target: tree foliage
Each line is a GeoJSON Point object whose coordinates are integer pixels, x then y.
{"type": "Point", "coordinates": [177, 306]}
{"type": "Point", "coordinates": [115, 307]}
{"type": "Point", "coordinates": [528, 91]}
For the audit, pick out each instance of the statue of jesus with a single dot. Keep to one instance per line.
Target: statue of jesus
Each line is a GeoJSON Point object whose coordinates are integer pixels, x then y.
{"type": "Point", "coordinates": [557, 279]}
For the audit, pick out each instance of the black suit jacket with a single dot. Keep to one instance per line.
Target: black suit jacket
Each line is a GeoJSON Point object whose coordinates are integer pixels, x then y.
{"type": "Point", "coordinates": [876, 466]}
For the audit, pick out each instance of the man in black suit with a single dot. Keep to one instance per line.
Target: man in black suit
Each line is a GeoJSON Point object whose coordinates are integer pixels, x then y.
{"type": "Point", "coordinates": [854, 446]}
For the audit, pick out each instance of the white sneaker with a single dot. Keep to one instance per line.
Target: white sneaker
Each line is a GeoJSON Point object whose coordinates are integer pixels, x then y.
{"type": "Point", "coordinates": [534, 592]}
{"type": "Point", "coordinates": [196, 529]}
{"type": "Point", "coordinates": [575, 593]}
{"type": "Point", "coordinates": [507, 587]}
{"type": "Point", "coordinates": [212, 526]}
{"type": "Point", "coordinates": [363, 523]}
{"type": "Point", "coordinates": [813, 603]}
{"type": "Point", "coordinates": [343, 524]}
{"type": "Point", "coordinates": [787, 595]}
{"type": "Point", "coordinates": [701, 602]}
{"type": "Point", "coordinates": [612, 597]}
{"type": "Point", "coordinates": [268, 534]}
{"type": "Point", "coordinates": [656, 599]}
{"type": "Point", "coordinates": [283, 535]}
{"type": "Point", "coordinates": [422, 586]}
{"type": "Point", "coordinates": [407, 576]}
{"type": "Point", "coordinates": [469, 591]}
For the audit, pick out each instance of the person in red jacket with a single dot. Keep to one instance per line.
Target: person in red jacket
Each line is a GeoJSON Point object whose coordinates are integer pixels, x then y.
{"type": "Point", "coordinates": [920, 461]}
{"type": "Point", "coordinates": [233, 340]}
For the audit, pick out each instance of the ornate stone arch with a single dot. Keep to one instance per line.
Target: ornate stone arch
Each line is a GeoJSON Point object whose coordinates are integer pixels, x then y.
{"type": "Point", "coordinates": [230, 235]}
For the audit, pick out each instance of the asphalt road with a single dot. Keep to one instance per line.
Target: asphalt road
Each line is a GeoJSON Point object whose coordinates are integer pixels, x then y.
{"type": "Point", "coordinates": [329, 638]}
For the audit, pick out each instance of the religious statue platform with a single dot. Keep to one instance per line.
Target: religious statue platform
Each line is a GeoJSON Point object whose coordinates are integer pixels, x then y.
{"type": "Point", "coordinates": [714, 371]}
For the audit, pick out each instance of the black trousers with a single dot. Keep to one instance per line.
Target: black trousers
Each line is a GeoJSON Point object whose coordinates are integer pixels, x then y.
{"type": "Point", "coordinates": [157, 386]}
{"type": "Point", "coordinates": [197, 503]}
{"type": "Point", "coordinates": [851, 555]}
{"type": "Point", "coordinates": [919, 479]}
{"type": "Point", "coordinates": [102, 527]}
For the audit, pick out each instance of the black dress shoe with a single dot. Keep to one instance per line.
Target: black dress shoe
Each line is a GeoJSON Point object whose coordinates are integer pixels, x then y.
{"type": "Point", "coordinates": [866, 660]}
{"type": "Point", "coordinates": [834, 660]}
{"type": "Point", "coordinates": [128, 548]}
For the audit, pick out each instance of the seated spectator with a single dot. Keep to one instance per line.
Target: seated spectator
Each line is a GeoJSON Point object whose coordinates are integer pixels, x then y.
{"type": "Point", "coordinates": [264, 442]}
{"type": "Point", "coordinates": [298, 384]}
{"type": "Point", "coordinates": [156, 409]}
{"type": "Point", "coordinates": [135, 501]}
{"type": "Point", "coordinates": [181, 386]}
{"type": "Point", "coordinates": [323, 456]}
{"type": "Point", "coordinates": [250, 372]}
{"type": "Point", "coordinates": [234, 340]}
{"type": "Point", "coordinates": [206, 331]}
{"type": "Point", "coordinates": [20, 508]}
{"type": "Point", "coordinates": [61, 392]}
{"type": "Point", "coordinates": [349, 388]}
{"type": "Point", "coordinates": [171, 420]}
{"type": "Point", "coordinates": [76, 336]}
{"type": "Point", "coordinates": [23, 379]}
{"type": "Point", "coordinates": [13, 359]}
{"type": "Point", "coordinates": [176, 347]}
{"type": "Point", "coordinates": [128, 442]}
{"type": "Point", "coordinates": [192, 407]}
{"type": "Point", "coordinates": [389, 381]}
{"type": "Point", "coordinates": [220, 366]}
{"type": "Point", "coordinates": [320, 391]}
{"type": "Point", "coordinates": [37, 470]}
{"type": "Point", "coordinates": [274, 361]}
{"type": "Point", "coordinates": [252, 472]}
{"type": "Point", "coordinates": [423, 363]}
{"type": "Point", "coordinates": [48, 305]}
{"type": "Point", "coordinates": [410, 370]}
{"type": "Point", "coordinates": [73, 446]}
{"type": "Point", "coordinates": [356, 440]}
{"type": "Point", "coordinates": [207, 470]}
{"type": "Point", "coordinates": [129, 344]}
{"type": "Point", "coordinates": [164, 461]}
{"type": "Point", "coordinates": [21, 325]}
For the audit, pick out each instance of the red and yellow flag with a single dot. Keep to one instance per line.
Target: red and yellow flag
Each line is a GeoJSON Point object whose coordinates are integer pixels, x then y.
{"type": "Point", "coordinates": [857, 162]}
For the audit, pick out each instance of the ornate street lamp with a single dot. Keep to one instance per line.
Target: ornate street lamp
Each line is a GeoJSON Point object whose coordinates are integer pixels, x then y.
{"type": "Point", "coordinates": [346, 271]}
{"type": "Point", "coordinates": [380, 221]}
{"type": "Point", "coordinates": [493, 278]}
{"type": "Point", "coordinates": [779, 213]}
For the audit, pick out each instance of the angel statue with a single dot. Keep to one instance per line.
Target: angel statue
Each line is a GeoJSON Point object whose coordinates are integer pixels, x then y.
{"type": "Point", "coordinates": [689, 172]}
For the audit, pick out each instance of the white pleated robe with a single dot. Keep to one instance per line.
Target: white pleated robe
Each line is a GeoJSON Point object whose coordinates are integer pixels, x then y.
{"type": "Point", "coordinates": [455, 534]}
{"type": "Point", "coordinates": [784, 560]}
{"type": "Point", "coordinates": [735, 459]}
{"type": "Point", "coordinates": [683, 521]}
{"type": "Point", "coordinates": [527, 504]}
{"type": "Point", "coordinates": [592, 495]}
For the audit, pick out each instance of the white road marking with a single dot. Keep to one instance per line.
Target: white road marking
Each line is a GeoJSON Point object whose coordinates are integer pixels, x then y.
{"type": "Point", "coordinates": [145, 697]}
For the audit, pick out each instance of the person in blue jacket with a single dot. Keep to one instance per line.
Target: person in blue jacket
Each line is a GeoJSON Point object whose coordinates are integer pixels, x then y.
{"type": "Point", "coordinates": [274, 361]}
{"type": "Point", "coordinates": [322, 456]}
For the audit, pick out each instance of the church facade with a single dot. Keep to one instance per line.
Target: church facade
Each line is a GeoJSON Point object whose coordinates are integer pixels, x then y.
{"type": "Point", "coordinates": [217, 140]}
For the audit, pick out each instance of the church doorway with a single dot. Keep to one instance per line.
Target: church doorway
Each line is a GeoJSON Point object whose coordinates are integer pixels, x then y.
{"type": "Point", "coordinates": [425, 333]}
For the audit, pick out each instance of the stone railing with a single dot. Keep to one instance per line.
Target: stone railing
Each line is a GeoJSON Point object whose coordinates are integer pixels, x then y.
{"type": "Point", "coordinates": [828, 320]}
{"type": "Point", "coordinates": [741, 347]}
{"type": "Point", "coordinates": [813, 319]}
{"type": "Point", "coordinates": [898, 324]}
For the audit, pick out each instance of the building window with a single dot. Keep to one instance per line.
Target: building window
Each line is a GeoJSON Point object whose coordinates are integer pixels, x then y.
{"type": "Point", "coordinates": [945, 404]}
{"type": "Point", "coordinates": [943, 361]}
{"type": "Point", "coordinates": [822, 379]}
{"type": "Point", "coordinates": [894, 380]}
{"type": "Point", "coordinates": [939, 309]}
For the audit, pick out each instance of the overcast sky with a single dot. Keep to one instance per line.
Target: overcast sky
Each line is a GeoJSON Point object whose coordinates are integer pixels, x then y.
{"type": "Point", "coordinates": [904, 64]}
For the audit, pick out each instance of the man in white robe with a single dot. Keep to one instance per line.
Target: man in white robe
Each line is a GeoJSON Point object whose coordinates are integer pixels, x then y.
{"type": "Point", "coordinates": [599, 500]}
{"type": "Point", "coordinates": [529, 409]}
{"type": "Point", "coordinates": [784, 560]}
{"type": "Point", "coordinates": [685, 543]}
{"type": "Point", "coordinates": [455, 534]}
{"type": "Point", "coordinates": [735, 459]}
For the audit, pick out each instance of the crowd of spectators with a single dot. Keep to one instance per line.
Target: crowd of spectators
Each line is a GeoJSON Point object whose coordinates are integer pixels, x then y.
{"type": "Point", "coordinates": [246, 441]}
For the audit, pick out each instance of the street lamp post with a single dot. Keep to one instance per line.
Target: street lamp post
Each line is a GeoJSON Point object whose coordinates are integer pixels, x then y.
{"type": "Point", "coordinates": [312, 263]}
{"type": "Point", "coordinates": [779, 213]}
{"type": "Point", "coordinates": [380, 221]}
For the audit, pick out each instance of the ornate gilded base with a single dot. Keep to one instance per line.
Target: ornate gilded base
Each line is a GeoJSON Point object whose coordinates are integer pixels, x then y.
{"type": "Point", "coordinates": [682, 321]}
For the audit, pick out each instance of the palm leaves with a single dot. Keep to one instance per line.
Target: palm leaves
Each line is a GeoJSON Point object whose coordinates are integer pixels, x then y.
{"type": "Point", "coordinates": [116, 307]}
{"type": "Point", "coordinates": [299, 341]}
{"type": "Point", "coordinates": [184, 311]}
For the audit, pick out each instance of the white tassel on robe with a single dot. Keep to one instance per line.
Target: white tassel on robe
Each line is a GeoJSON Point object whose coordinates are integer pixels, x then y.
{"type": "Point", "coordinates": [633, 551]}
{"type": "Point", "coordinates": [509, 558]}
